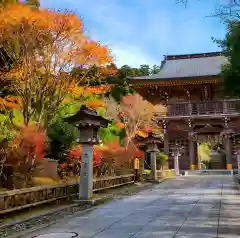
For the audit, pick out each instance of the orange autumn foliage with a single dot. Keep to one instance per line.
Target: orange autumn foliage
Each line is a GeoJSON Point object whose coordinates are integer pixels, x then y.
{"type": "Point", "coordinates": [137, 115]}
{"type": "Point", "coordinates": [82, 91]}
{"type": "Point", "coordinates": [30, 143]}
{"type": "Point", "coordinates": [46, 45]}
{"type": "Point", "coordinates": [52, 28]}
{"type": "Point", "coordinates": [121, 155]}
{"type": "Point", "coordinates": [76, 154]}
{"type": "Point", "coordinates": [120, 125]}
{"type": "Point", "coordinates": [10, 102]}
{"type": "Point", "coordinates": [102, 89]}
{"type": "Point", "coordinates": [95, 103]}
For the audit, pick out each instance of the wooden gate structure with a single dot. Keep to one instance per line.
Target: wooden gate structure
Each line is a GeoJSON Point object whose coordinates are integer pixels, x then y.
{"type": "Point", "coordinates": [194, 108]}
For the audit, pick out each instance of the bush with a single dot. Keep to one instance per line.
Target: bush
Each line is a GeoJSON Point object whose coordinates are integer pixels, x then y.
{"type": "Point", "coordinates": [161, 160]}
{"type": "Point", "coordinates": [62, 136]}
{"type": "Point", "coordinates": [24, 155]}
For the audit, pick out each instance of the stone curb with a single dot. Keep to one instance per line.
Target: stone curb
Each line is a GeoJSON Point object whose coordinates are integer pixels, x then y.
{"type": "Point", "coordinates": [39, 227]}
{"type": "Point", "coordinates": [85, 208]}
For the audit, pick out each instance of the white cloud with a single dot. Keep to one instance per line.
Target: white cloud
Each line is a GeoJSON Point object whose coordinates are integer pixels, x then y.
{"type": "Point", "coordinates": [140, 32]}
{"type": "Point", "coordinates": [131, 55]}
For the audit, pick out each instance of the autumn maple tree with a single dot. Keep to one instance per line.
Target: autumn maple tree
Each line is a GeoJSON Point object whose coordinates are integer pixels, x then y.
{"type": "Point", "coordinates": [136, 114]}
{"type": "Point", "coordinates": [45, 45]}
{"type": "Point", "coordinates": [25, 154]}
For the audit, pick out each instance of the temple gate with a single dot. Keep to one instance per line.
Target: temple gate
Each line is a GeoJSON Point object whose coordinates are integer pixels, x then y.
{"type": "Point", "coordinates": [191, 108]}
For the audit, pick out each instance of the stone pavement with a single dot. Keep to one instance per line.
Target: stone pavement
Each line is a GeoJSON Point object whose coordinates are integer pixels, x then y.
{"type": "Point", "coordinates": [186, 207]}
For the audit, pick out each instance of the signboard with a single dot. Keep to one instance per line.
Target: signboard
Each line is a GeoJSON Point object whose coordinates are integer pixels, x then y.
{"type": "Point", "coordinates": [136, 163]}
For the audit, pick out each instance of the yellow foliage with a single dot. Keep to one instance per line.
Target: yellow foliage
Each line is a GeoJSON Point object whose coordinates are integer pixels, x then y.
{"type": "Point", "coordinates": [142, 133]}
{"type": "Point", "coordinates": [95, 103]}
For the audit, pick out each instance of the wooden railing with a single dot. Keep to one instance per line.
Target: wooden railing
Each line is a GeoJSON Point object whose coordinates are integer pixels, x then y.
{"type": "Point", "coordinates": [15, 200]}
{"type": "Point", "coordinates": [202, 108]}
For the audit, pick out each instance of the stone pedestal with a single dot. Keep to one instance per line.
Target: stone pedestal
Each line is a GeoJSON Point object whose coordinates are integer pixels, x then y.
{"type": "Point", "coordinates": [86, 177]}
{"type": "Point", "coordinates": [153, 155]}
{"type": "Point", "coordinates": [176, 164]}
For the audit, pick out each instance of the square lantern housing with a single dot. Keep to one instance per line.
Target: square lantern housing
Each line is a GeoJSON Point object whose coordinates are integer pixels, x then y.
{"type": "Point", "coordinates": [151, 142]}
{"type": "Point", "coordinates": [153, 147]}
{"type": "Point", "coordinates": [88, 123]}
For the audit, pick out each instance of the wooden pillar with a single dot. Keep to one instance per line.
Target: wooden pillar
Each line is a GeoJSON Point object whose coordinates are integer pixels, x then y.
{"type": "Point", "coordinates": [192, 150]}
{"type": "Point", "coordinates": [227, 136]}
{"type": "Point", "coordinates": [228, 148]}
{"type": "Point", "coordinates": [196, 154]}
{"type": "Point", "coordinates": [166, 144]}
{"type": "Point", "coordinates": [166, 139]}
{"type": "Point", "coordinates": [238, 161]}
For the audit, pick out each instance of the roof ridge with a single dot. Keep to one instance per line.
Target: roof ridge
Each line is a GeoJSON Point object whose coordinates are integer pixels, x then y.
{"type": "Point", "coordinates": [192, 56]}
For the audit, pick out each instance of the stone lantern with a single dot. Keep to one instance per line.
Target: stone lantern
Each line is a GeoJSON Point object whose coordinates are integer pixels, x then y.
{"type": "Point", "coordinates": [176, 154]}
{"type": "Point", "coordinates": [88, 123]}
{"type": "Point", "coordinates": [151, 142]}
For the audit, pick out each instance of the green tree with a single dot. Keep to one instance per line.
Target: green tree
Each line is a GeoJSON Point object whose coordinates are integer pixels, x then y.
{"type": "Point", "coordinates": [62, 136]}
{"type": "Point", "coordinates": [155, 69]}
{"type": "Point", "coordinates": [161, 160]}
{"type": "Point", "coordinates": [121, 87]}
{"type": "Point", "coordinates": [111, 133]}
{"type": "Point", "coordinates": [204, 153]}
{"type": "Point", "coordinates": [145, 69]}
{"type": "Point", "coordinates": [34, 3]}
{"type": "Point", "coordinates": [231, 48]}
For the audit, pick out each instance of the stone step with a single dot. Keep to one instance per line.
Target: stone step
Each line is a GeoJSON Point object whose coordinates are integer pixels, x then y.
{"type": "Point", "coordinates": [207, 172]}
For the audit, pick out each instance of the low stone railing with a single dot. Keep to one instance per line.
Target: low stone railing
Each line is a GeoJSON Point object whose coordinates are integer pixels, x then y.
{"type": "Point", "coordinates": [161, 174]}
{"type": "Point", "coordinates": [14, 200]}
{"type": "Point", "coordinates": [166, 173]}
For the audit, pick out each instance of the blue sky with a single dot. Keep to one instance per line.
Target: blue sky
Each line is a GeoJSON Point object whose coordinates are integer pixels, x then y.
{"type": "Point", "coordinates": [142, 31]}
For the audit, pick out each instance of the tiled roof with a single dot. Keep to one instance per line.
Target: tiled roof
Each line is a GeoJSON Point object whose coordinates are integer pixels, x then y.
{"type": "Point", "coordinates": [185, 66]}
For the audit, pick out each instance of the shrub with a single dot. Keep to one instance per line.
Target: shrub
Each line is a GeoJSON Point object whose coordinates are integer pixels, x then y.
{"type": "Point", "coordinates": [61, 136]}
{"type": "Point", "coordinates": [25, 154]}
{"type": "Point", "coordinates": [161, 160]}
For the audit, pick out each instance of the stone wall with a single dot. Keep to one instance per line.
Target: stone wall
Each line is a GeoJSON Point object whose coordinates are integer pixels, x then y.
{"type": "Point", "coordinates": [48, 168]}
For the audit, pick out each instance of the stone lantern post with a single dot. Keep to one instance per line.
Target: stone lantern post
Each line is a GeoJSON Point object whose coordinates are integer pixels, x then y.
{"type": "Point", "coordinates": [176, 154]}
{"type": "Point", "coordinates": [151, 142]}
{"type": "Point", "coordinates": [88, 123]}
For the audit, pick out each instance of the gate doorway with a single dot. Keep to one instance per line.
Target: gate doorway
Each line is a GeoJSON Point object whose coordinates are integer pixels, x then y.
{"type": "Point", "coordinates": [211, 156]}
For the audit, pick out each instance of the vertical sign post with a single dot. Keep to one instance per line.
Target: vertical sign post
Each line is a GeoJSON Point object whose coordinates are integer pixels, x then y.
{"type": "Point", "coordinates": [86, 175]}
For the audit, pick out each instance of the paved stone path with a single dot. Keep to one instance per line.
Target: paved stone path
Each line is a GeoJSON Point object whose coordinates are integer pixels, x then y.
{"type": "Point", "coordinates": [186, 207]}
